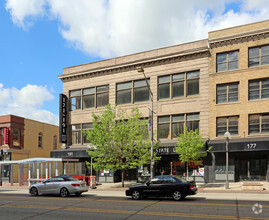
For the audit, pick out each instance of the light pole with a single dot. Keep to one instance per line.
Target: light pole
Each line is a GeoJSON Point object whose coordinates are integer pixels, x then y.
{"type": "Point", "coordinates": [227, 135]}
{"type": "Point", "coordinates": [141, 70]}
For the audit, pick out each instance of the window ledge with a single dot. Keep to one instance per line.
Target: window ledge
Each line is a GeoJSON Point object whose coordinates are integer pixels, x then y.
{"type": "Point", "coordinates": [258, 100]}
{"type": "Point", "coordinates": [227, 103]}
{"type": "Point", "coordinates": [180, 98]}
{"type": "Point", "coordinates": [258, 135]}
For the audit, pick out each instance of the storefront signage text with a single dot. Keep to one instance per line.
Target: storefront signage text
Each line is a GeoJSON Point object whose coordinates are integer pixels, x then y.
{"type": "Point", "coordinates": [166, 150]}
{"type": "Point", "coordinates": [63, 118]}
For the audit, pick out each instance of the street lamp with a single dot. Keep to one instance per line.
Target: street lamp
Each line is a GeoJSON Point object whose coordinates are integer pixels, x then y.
{"type": "Point", "coordinates": [141, 70]}
{"type": "Point", "coordinates": [227, 135]}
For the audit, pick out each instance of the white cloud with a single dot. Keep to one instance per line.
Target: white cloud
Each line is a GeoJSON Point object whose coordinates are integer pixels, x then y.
{"type": "Point", "coordinates": [109, 28]}
{"type": "Point", "coordinates": [27, 102]}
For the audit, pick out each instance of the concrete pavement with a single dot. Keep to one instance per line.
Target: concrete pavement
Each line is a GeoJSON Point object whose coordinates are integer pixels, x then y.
{"type": "Point", "coordinates": [205, 191]}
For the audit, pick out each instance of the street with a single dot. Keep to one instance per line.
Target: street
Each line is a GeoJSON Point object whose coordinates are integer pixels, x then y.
{"type": "Point", "coordinates": [21, 206]}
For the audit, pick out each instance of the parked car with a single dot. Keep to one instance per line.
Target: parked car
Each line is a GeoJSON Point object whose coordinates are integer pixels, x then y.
{"type": "Point", "coordinates": [163, 186]}
{"type": "Point", "coordinates": [62, 185]}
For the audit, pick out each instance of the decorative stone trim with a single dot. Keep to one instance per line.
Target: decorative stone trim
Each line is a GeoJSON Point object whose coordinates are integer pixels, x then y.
{"type": "Point", "coordinates": [192, 54]}
{"type": "Point", "coordinates": [239, 38]}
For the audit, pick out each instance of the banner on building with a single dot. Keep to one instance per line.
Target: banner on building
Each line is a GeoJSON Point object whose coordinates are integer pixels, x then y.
{"type": "Point", "coordinates": [63, 119]}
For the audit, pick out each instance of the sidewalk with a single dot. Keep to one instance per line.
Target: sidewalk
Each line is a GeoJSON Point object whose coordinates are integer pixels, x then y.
{"type": "Point", "coordinates": [205, 191]}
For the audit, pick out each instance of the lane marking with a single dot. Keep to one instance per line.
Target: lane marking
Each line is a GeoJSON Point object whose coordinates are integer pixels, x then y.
{"type": "Point", "coordinates": [132, 201]}
{"type": "Point", "coordinates": [133, 212]}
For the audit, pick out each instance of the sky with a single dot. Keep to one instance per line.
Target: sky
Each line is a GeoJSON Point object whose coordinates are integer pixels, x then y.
{"type": "Point", "coordinates": [38, 38]}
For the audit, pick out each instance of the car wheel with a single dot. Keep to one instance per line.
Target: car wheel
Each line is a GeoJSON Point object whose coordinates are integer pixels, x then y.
{"type": "Point", "coordinates": [78, 194]}
{"type": "Point", "coordinates": [136, 195]}
{"type": "Point", "coordinates": [177, 195]}
{"type": "Point", "coordinates": [64, 192]}
{"type": "Point", "coordinates": [34, 191]}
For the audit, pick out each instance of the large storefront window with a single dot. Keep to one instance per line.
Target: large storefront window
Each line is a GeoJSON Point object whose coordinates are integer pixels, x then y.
{"type": "Point", "coordinates": [174, 124]}
{"type": "Point", "coordinates": [179, 168]}
{"type": "Point", "coordinates": [178, 85]}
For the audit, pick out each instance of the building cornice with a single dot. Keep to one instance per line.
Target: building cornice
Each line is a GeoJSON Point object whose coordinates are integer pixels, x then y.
{"type": "Point", "coordinates": [175, 57]}
{"type": "Point", "coordinates": [239, 38]}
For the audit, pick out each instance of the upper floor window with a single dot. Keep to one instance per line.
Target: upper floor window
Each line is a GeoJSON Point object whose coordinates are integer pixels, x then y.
{"type": "Point", "coordinates": [78, 137]}
{"type": "Point", "coordinates": [40, 140]}
{"type": "Point", "coordinates": [258, 56]}
{"type": "Point", "coordinates": [75, 99]}
{"type": "Point", "coordinates": [258, 89]}
{"type": "Point", "coordinates": [227, 61]}
{"type": "Point", "coordinates": [174, 124]}
{"type": "Point", "coordinates": [229, 124]}
{"type": "Point", "coordinates": [16, 137]}
{"type": "Point", "coordinates": [227, 92]}
{"type": "Point", "coordinates": [131, 92]}
{"type": "Point", "coordinates": [258, 123]}
{"type": "Point", "coordinates": [178, 85]}
{"type": "Point", "coordinates": [89, 97]}
{"type": "Point", "coordinates": [54, 142]}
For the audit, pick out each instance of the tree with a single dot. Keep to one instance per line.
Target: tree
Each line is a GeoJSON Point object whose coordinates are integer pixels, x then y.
{"type": "Point", "coordinates": [119, 140]}
{"type": "Point", "coordinates": [190, 147]}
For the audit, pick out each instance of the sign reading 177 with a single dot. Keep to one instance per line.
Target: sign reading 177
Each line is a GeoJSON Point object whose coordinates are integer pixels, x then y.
{"type": "Point", "coordinates": [251, 145]}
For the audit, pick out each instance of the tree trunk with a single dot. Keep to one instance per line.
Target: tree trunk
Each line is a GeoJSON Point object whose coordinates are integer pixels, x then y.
{"type": "Point", "coordinates": [122, 177]}
{"type": "Point", "coordinates": [187, 170]}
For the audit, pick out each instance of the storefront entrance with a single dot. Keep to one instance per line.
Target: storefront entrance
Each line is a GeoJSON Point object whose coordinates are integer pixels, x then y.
{"type": "Point", "coordinates": [250, 169]}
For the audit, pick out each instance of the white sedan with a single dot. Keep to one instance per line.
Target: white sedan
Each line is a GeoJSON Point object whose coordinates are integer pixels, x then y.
{"type": "Point", "coordinates": [62, 185]}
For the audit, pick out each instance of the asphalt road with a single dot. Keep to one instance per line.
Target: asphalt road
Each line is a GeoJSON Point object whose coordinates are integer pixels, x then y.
{"type": "Point", "coordinates": [18, 206]}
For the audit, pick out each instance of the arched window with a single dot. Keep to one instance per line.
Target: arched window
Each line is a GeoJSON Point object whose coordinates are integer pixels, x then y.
{"type": "Point", "coordinates": [54, 142]}
{"type": "Point", "coordinates": [40, 139]}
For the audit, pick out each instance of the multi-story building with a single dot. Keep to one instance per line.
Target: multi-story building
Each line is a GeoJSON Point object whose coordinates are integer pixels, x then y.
{"type": "Point", "coordinates": [178, 78]}
{"type": "Point", "coordinates": [218, 85]}
{"type": "Point", "coordinates": [22, 138]}
{"type": "Point", "coordinates": [239, 102]}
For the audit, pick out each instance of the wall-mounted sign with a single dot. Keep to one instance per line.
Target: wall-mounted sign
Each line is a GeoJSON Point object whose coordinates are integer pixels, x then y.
{"type": "Point", "coordinates": [165, 150]}
{"type": "Point", "coordinates": [6, 136]}
{"type": "Point", "coordinates": [63, 118]}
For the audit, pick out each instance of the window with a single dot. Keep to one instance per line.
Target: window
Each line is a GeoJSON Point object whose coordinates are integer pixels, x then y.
{"type": "Point", "coordinates": [90, 97]}
{"type": "Point", "coordinates": [75, 97]}
{"type": "Point", "coordinates": [227, 93]}
{"type": "Point", "coordinates": [78, 136]}
{"type": "Point", "coordinates": [174, 124]}
{"type": "Point", "coordinates": [131, 92]}
{"type": "Point", "coordinates": [16, 137]}
{"type": "Point", "coordinates": [258, 56]}
{"type": "Point", "coordinates": [227, 61]}
{"type": "Point", "coordinates": [54, 142]}
{"type": "Point", "coordinates": [259, 123]}
{"type": "Point", "coordinates": [258, 89]}
{"type": "Point", "coordinates": [86, 127]}
{"type": "Point", "coordinates": [40, 139]}
{"type": "Point", "coordinates": [181, 84]}
{"type": "Point", "coordinates": [229, 124]}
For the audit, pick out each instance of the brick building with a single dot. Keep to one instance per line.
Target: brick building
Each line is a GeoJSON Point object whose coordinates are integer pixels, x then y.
{"type": "Point", "coordinates": [22, 138]}
{"type": "Point", "coordinates": [239, 101]}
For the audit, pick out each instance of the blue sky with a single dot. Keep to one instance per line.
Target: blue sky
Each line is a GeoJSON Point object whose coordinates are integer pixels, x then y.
{"type": "Point", "coordinates": [39, 38]}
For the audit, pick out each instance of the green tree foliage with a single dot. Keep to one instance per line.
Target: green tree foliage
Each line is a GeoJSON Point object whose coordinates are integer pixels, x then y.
{"type": "Point", "coordinates": [120, 140]}
{"type": "Point", "coordinates": [190, 147]}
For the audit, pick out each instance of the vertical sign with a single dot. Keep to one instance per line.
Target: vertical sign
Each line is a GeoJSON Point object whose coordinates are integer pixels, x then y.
{"type": "Point", "coordinates": [63, 118]}
{"type": "Point", "coordinates": [6, 136]}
